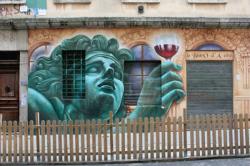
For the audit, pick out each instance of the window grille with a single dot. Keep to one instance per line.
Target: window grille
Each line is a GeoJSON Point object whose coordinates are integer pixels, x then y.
{"type": "Point", "coordinates": [73, 74]}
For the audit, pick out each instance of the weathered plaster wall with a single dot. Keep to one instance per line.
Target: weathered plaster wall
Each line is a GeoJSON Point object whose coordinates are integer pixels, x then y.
{"type": "Point", "coordinates": [166, 8]}
{"type": "Point", "coordinates": [116, 8]}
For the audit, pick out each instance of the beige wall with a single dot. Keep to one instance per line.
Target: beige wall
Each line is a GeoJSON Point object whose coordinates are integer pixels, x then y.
{"type": "Point", "coordinates": [166, 8]}
{"type": "Point", "coordinates": [116, 8]}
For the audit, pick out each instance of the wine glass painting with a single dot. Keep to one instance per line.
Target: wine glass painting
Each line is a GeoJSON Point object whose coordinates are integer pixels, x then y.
{"type": "Point", "coordinates": [166, 46]}
{"type": "Point", "coordinates": [166, 51]}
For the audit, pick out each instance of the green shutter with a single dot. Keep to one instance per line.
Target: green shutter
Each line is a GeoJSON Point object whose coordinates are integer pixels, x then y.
{"type": "Point", "coordinates": [40, 4]}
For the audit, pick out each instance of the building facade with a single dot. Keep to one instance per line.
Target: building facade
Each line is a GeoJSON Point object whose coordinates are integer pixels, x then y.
{"type": "Point", "coordinates": [169, 56]}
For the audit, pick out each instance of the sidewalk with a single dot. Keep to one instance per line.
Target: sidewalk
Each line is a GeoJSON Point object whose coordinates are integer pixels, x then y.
{"type": "Point", "coordinates": [206, 162]}
{"type": "Point", "coordinates": [210, 162]}
{"type": "Point", "coordinates": [213, 162]}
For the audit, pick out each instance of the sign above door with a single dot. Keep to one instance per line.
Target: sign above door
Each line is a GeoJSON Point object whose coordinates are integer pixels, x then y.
{"type": "Point", "coordinates": [209, 55]}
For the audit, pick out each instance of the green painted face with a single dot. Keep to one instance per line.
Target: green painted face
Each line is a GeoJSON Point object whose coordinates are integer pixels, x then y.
{"type": "Point", "coordinates": [104, 86]}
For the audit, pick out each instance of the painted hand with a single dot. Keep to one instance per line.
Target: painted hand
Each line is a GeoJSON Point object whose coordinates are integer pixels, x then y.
{"type": "Point", "coordinates": [160, 90]}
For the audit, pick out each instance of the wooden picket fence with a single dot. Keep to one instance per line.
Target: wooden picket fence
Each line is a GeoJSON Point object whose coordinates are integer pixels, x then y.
{"type": "Point", "coordinates": [124, 140]}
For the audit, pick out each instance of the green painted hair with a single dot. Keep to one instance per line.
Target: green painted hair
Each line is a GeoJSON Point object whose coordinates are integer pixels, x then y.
{"type": "Point", "coordinates": [46, 77]}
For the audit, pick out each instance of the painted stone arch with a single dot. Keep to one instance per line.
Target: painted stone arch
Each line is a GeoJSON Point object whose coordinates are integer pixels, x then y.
{"type": "Point", "coordinates": [41, 49]}
{"type": "Point", "coordinates": [209, 46]}
{"type": "Point", "coordinates": [143, 51]}
{"type": "Point", "coordinates": [135, 43]}
{"type": "Point", "coordinates": [194, 39]}
{"type": "Point", "coordinates": [225, 46]}
{"type": "Point", "coordinates": [36, 45]}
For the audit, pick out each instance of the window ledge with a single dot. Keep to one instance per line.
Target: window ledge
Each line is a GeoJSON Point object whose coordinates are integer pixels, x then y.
{"type": "Point", "coordinates": [208, 1]}
{"type": "Point", "coordinates": [72, 1]}
{"type": "Point", "coordinates": [140, 1]}
{"type": "Point", "coordinates": [13, 2]}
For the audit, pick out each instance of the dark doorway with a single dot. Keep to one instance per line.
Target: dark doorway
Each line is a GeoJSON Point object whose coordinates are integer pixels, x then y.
{"type": "Point", "coordinates": [209, 87]}
{"type": "Point", "coordinates": [9, 85]}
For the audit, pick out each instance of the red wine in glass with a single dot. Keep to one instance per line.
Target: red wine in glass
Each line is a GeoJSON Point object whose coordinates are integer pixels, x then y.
{"type": "Point", "coordinates": [166, 51]}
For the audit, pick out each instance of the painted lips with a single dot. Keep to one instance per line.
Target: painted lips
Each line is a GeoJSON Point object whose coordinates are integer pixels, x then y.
{"type": "Point", "coordinates": [107, 85]}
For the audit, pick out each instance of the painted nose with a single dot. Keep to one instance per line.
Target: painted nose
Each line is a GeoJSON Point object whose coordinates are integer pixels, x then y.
{"type": "Point", "coordinates": [109, 73]}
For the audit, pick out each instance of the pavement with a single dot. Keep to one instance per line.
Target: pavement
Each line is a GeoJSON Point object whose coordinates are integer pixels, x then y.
{"type": "Point", "coordinates": [210, 162]}
{"type": "Point", "coordinates": [203, 162]}
{"type": "Point", "coordinates": [214, 162]}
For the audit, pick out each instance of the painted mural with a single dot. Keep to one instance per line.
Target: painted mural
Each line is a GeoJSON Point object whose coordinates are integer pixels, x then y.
{"type": "Point", "coordinates": [131, 83]}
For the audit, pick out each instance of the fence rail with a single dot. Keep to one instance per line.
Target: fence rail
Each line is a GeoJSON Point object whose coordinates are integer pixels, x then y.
{"type": "Point", "coordinates": [121, 139]}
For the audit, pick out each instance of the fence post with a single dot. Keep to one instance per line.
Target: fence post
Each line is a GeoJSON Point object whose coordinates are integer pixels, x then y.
{"type": "Point", "coordinates": [185, 131]}
{"type": "Point", "coordinates": [117, 133]}
{"type": "Point", "coordinates": [54, 140]}
{"type": "Point", "coordinates": [123, 138]}
{"type": "Point", "coordinates": [76, 127]}
{"type": "Point", "coordinates": [169, 137]}
{"type": "Point", "coordinates": [26, 141]}
{"type": "Point", "coordinates": [111, 134]}
{"type": "Point", "coordinates": [246, 133]}
{"type": "Point", "coordinates": [38, 135]}
{"type": "Point", "coordinates": [93, 130]}
{"type": "Point", "coordinates": [1, 118]}
{"type": "Point", "coordinates": [105, 140]}
{"type": "Point", "coordinates": [15, 141]}
{"type": "Point", "coordinates": [31, 130]}
{"type": "Point", "coordinates": [99, 132]}
{"type": "Point", "coordinates": [71, 149]}
{"type": "Point", "coordinates": [4, 141]}
{"type": "Point", "coordinates": [140, 139]}
{"type": "Point", "coordinates": [174, 131]}
{"type": "Point", "coordinates": [163, 130]}
{"type": "Point", "coordinates": [235, 121]}
{"type": "Point", "coordinates": [241, 134]}
{"type": "Point", "coordinates": [9, 141]}
{"type": "Point", "coordinates": [129, 139]}
{"type": "Point", "coordinates": [180, 137]}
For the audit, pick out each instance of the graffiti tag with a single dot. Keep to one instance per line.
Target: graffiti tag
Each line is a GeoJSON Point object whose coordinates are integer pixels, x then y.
{"type": "Point", "coordinates": [12, 10]}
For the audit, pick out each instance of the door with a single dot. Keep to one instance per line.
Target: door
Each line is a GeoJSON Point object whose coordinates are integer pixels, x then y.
{"type": "Point", "coordinates": [209, 87]}
{"type": "Point", "coordinates": [9, 86]}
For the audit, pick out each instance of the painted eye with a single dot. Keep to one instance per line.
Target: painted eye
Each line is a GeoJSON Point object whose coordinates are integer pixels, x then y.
{"type": "Point", "coordinates": [92, 70]}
